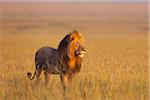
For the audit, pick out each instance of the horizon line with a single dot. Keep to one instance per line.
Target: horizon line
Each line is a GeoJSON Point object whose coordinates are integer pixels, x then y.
{"type": "Point", "coordinates": [77, 1]}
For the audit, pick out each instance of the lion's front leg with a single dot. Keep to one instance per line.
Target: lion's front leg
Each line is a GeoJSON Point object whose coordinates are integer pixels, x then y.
{"type": "Point", "coordinates": [66, 80]}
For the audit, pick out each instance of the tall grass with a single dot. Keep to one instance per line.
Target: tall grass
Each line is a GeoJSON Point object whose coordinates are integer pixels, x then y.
{"type": "Point", "coordinates": [114, 68]}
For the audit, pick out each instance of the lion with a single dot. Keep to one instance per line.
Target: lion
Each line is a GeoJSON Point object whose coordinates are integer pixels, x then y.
{"type": "Point", "coordinates": [65, 61]}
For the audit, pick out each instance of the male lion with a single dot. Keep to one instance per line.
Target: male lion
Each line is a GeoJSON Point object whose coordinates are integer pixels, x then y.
{"type": "Point", "coordinates": [65, 61]}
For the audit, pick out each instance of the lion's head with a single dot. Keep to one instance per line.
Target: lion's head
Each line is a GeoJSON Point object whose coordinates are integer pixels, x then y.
{"type": "Point", "coordinates": [71, 51]}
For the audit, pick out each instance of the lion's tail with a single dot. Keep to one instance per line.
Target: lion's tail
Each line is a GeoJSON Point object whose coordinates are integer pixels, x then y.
{"type": "Point", "coordinates": [29, 75]}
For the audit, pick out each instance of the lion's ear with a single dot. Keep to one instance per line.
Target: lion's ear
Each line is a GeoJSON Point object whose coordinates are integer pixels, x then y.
{"type": "Point", "coordinates": [73, 34]}
{"type": "Point", "coordinates": [75, 31]}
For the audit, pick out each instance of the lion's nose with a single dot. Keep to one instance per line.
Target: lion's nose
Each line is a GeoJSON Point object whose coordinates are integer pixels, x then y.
{"type": "Point", "coordinates": [84, 50]}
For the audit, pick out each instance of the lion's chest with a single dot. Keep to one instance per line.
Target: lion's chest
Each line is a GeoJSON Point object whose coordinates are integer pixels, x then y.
{"type": "Point", "coordinates": [74, 65]}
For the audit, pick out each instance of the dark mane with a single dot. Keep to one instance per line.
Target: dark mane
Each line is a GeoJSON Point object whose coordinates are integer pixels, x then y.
{"type": "Point", "coordinates": [63, 43]}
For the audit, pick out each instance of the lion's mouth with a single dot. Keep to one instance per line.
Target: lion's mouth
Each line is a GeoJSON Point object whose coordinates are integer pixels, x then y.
{"type": "Point", "coordinates": [81, 54]}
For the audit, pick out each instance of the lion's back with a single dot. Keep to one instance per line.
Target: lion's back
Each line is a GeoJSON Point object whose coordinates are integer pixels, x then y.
{"type": "Point", "coordinates": [46, 54]}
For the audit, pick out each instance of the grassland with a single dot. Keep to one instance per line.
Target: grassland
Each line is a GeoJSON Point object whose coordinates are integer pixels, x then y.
{"type": "Point", "coordinates": [115, 66]}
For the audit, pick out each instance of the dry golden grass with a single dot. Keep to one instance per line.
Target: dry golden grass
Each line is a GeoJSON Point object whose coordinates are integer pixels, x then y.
{"type": "Point", "coordinates": [115, 67]}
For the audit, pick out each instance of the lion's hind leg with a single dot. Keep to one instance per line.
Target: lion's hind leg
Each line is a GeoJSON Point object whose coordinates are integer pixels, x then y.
{"type": "Point", "coordinates": [47, 76]}
{"type": "Point", "coordinates": [38, 73]}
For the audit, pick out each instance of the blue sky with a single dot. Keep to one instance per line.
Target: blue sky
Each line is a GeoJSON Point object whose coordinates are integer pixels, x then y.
{"type": "Point", "coordinates": [81, 0]}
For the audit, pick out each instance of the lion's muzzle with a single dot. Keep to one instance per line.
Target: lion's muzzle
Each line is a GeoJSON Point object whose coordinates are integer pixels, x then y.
{"type": "Point", "coordinates": [80, 53]}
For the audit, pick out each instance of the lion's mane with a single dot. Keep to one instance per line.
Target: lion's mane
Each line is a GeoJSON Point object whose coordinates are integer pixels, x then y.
{"type": "Point", "coordinates": [66, 51]}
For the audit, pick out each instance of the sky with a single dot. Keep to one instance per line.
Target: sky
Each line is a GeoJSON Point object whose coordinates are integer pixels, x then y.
{"type": "Point", "coordinates": [80, 0]}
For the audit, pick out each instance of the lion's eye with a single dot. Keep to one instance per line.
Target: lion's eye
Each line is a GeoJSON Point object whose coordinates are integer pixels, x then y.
{"type": "Point", "coordinates": [72, 38]}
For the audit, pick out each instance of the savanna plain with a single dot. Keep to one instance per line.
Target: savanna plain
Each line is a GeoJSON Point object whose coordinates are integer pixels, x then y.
{"type": "Point", "coordinates": [115, 66]}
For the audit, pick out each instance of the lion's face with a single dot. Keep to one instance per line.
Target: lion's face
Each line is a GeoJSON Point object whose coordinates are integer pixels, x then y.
{"type": "Point", "coordinates": [76, 46]}
{"type": "Point", "coordinates": [80, 50]}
